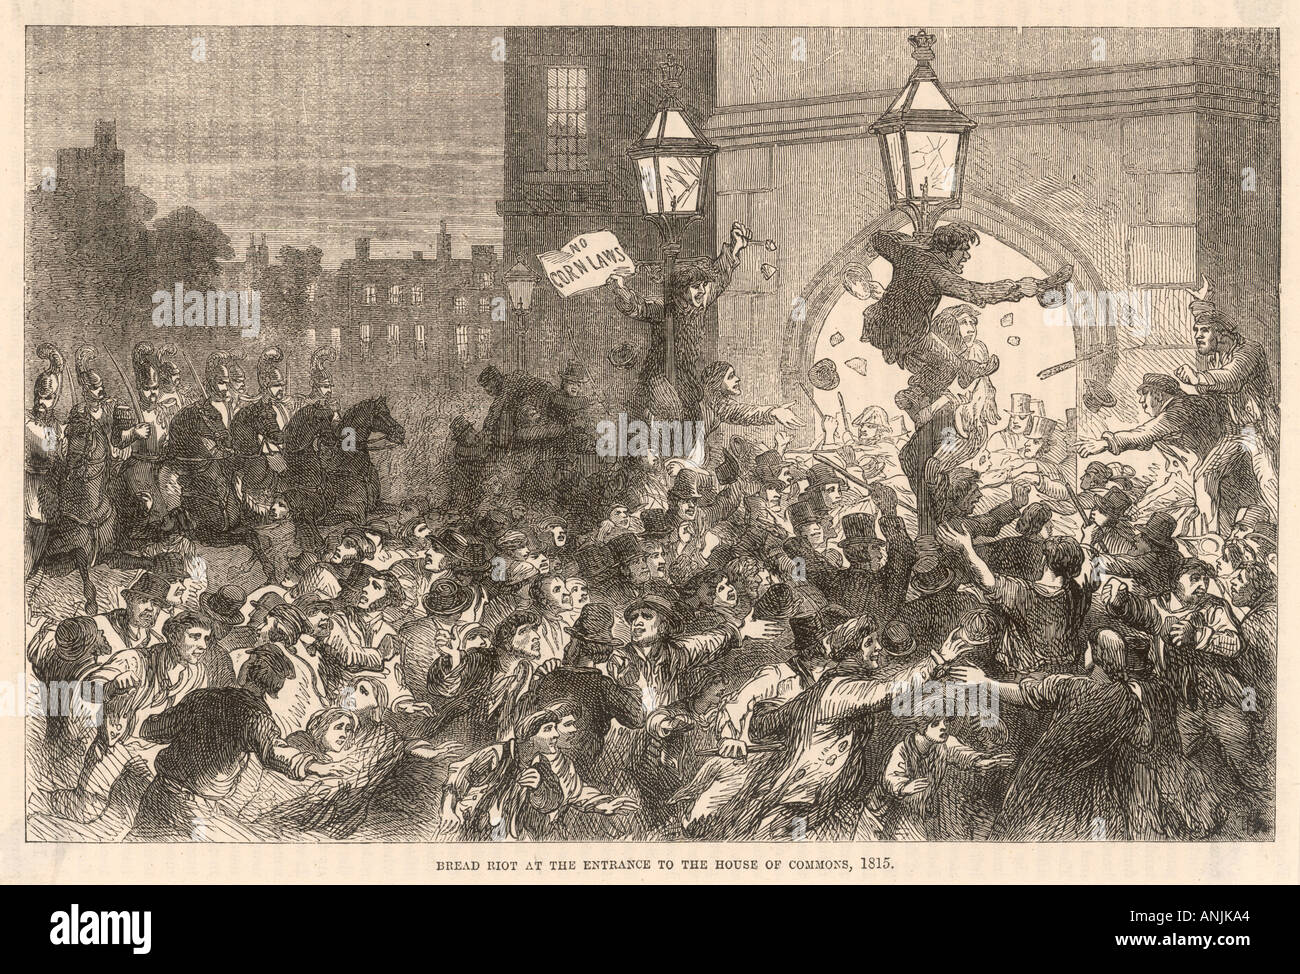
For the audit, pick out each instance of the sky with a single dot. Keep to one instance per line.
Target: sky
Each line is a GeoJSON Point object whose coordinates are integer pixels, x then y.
{"type": "Point", "coordinates": [256, 133]}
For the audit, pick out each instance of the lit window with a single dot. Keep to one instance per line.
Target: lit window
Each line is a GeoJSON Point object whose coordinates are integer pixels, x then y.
{"type": "Point", "coordinates": [462, 342]}
{"type": "Point", "coordinates": [461, 305]}
{"type": "Point", "coordinates": [484, 340]}
{"type": "Point", "coordinates": [419, 334]}
{"type": "Point", "coordinates": [417, 294]}
{"type": "Point", "coordinates": [566, 118]}
{"type": "Point", "coordinates": [369, 294]}
{"type": "Point", "coordinates": [311, 292]}
{"type": "Point", "coordinates": [486, 280]}
{"type": "Point", "coordinates": [395, 294]}
{"type": "Point", "coordinates": [394, 332]}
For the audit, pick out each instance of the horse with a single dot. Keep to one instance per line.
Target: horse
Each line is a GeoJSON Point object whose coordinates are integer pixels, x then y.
{"type": "Point", "coordinates": [311, 445]}
{"type": "Point", "coordinates": [360, 493]}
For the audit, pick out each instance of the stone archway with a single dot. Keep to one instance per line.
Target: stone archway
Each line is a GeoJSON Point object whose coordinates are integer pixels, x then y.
{"type": "Point", "coordinates": [1019, 229]}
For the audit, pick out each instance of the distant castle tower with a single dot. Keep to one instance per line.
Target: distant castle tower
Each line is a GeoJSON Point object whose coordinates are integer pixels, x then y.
{"type": "Point", "coordinates": [96, 175]}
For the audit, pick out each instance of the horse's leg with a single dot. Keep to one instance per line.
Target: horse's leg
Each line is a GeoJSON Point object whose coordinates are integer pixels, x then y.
{"type": "Point", "coordinates": [85, 552]}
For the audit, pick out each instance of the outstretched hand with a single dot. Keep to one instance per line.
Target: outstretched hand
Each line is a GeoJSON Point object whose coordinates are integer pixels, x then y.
{"type": "Point", "coordinates": [785, 416]}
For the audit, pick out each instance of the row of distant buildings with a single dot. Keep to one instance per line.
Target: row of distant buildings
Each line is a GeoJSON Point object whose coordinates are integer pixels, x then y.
{"type": "Point", "coordinates": [375, 311]}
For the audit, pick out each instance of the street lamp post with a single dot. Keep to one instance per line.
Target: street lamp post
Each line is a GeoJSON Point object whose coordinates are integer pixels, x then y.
{"type": "Point", "coordinates": [520, 281]}
{"type": "Point", "coordinates": [923, 138]}
{"type": "Point", "coordinates": [671, 159]}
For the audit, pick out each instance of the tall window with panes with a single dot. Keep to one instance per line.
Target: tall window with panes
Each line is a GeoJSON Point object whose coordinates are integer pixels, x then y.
{"type": "Point", "coordinates": [566, 119]}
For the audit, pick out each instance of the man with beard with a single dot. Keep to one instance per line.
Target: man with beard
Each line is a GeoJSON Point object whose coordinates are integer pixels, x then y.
{"type": "Point", "coordinates": [600, 699]}
{"type": "Point", "coordinates": [139, 624]}
{"type": "Point", "coordinates": [1199, 649]}
{"type": "Point", "coordinates": [722, 404]}
{"type": "Point", "coordinates": [812, 787]}
{"type": "Point", "coordinates": [1183, 428]}
{"type": "Point", "coordinates": [670, 386]}
{"type": "Point", "coordinates": [664, 670]}
{"type": "Point", "coordinates": [144, 683]}
{"type": "Point", "coordinates": [1237, 378]}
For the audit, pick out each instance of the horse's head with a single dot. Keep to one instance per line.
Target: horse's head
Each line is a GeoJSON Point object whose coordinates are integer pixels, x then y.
{"type": "Point", "coordinates": [382, 422]}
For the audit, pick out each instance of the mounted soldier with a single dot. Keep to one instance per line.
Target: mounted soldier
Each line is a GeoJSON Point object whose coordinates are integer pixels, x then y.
{"type": "Point", "coordinates": [322, 382]}
{"type": "Point", "coordinates": [257, 433]}
{"type": "Point", "coordinates": [199, 449]}
{"type": "Point", "coordinates": [43, 443]}
{"type": "Point", "coordinates": [140, 442]}
{"type": "Point", "coordinates": [85, 521]}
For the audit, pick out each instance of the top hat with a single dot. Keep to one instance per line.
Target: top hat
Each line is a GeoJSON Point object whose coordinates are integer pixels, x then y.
{"type": "Point", "coordinates": [594, 561]}
{"type": "Point", "coordinates": [1114, 501]}
{"type": "Point", "coordinates": [658, 524]}
{"type": "Point", "coordinates": [897, 640]}
{"type": "Point", "coordinates": [447, 596]}
{"type": "Point", "coordinates": [150, 586]}
{"type": "Point", "coordinates": [625, 548]}
{"type": "Point", "coordinates": [687, 486]}
{"type": "Point", "coordinates": [822, 474]}
{"type": "Point", "coordinates": [859, 527]}
{"type": "Point", "coordinates": [1036, 405]}
{"type": "Point", "coordinates": [1040, 428]}
{"type": "Point", "coordinates": [803, 513]}
{"type": "Point", "coordinates": [1159, 528]}
{"type": "Point", "coordinates": [595, 624]}
{"type": "Point", "coordinates": [225, 605]}
{"type": "Point", "coordinates": [476, 559]}
{"type": "Point", "coordinates": [809, 628]}
{"type": "Point", "coordinates": [1020, 403]}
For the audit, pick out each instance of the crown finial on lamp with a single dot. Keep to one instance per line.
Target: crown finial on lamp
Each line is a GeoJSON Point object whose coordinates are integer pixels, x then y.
{"type": "Point", "coordinates": [922, 45]}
